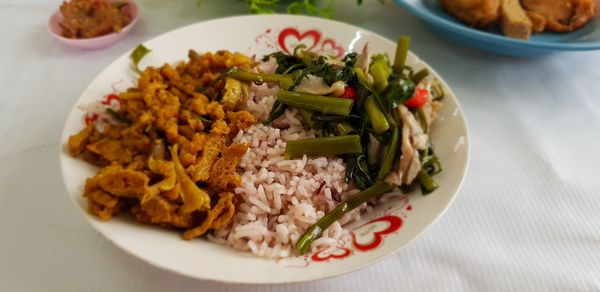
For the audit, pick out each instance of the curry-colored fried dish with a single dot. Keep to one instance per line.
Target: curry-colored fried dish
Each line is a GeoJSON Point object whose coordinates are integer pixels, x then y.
{"type": "Point", "coordinates": [169, 161]}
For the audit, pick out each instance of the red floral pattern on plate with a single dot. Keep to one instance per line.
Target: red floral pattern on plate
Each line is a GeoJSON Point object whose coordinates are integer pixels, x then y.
{"type": "Point", "coordinates": [288, 38]}
{"type": "Point", "coordinates": [338, 252]}
{"type": "Point", "coordinates": [370, 235]}
{"type": "Point", "coordinates": [329, 47]}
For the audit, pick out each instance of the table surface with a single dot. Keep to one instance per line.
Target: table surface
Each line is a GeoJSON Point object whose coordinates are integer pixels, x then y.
{"type": "Point", "coordinates": [527, 217]}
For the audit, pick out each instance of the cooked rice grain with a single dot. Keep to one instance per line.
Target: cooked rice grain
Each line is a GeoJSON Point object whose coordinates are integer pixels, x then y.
{"type": "Point", "coordinates": [278, 199]}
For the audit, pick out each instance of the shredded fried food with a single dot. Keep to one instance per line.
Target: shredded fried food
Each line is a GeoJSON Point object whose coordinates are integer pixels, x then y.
{"type": "Point", "coordinates": [223, 174]}
{"type": "Point", "coordinates": [218, 216]}
{"type": "Point", "coordinates": [200, 171]}
{"type": "Point", "coordinates": [174, 152]}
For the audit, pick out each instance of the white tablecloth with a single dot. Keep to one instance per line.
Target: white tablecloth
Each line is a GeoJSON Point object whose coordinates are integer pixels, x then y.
{"type": "Point", "coordinates": [527, 218]}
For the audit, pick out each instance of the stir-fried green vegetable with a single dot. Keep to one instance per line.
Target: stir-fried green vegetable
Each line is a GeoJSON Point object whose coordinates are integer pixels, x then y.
{"type": "Point", "coordinates": [315, 231]}
{"type": "Point", "coordinates": [388, 159]}
{"type": "Point", "coordinates": [136, 56]}
{"type": "Point", "coordinates": [401, 54]}
{"type": "Point", "coordinates": [427, 182]}
{"type": "Point", "coordinates": [361, 124]}
{"type": "Point", "coordinates": [326, 146]}
{"type": "Point", "coordinates": [276, 112]}
{"type": "Point", "coordinates": [256, 77]}
{"type": "Point", "coordinates": [322, 104]}
{"type": "Point", "coordinates": [398, 91]}
{"type": "Point", "coordinates": [378, 119]}
{"type": "Point", "coordinates": [358, 170]}
{"type": "Point", "coordinates": [307, 117]}
{"type": "Point", "coordinates": [381, 71]}
{"type": "Point", "coordinates": [419, 76]}
{"type": "Point", "coordinates": [310, 7]}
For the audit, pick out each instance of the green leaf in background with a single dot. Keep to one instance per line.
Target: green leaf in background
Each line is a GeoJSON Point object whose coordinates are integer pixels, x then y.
{"type": "Point", "coordinates": [137, 55]}
{"type": "Point", "coordinates": [262, 6]}
{"type": "Point", "coordinates": [311, 7]}
{"type": "Point", "coordinates": [322, 8]}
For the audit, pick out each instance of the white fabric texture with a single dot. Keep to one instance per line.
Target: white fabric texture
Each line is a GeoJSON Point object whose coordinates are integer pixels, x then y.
{"type": "Point", "coordinates": [527, 218]}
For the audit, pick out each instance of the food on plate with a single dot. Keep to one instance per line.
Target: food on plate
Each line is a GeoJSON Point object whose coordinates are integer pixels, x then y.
{"type": "Point", "coordinates": [271, 156]}
{"type": "Point", "coordinates": [519, 18]}
{"type": "Point", "coordinates": [164, 149]}
{"type": "Point", "coordinates": [92, 18]}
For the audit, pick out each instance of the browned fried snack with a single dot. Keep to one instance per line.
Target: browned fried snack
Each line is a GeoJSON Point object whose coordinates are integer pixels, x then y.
{"type": "Point", "coordinates": [476, 13]}
{"type": "Point", "coordinates": [519, 18]}
{"type": "Point", "coordinates": [560, 16]}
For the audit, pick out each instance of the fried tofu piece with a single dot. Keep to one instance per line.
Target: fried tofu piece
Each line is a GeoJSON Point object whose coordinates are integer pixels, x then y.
{"type": "Point", "coordinates": [514, 21]}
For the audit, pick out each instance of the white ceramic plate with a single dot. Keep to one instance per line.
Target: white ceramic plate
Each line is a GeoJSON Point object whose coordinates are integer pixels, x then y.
{"type": "Point", "coordinates": [388, 228]}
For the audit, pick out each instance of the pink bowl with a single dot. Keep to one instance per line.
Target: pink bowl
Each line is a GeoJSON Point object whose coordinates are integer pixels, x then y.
{"type": "Point", "coordinates": [97, 42]}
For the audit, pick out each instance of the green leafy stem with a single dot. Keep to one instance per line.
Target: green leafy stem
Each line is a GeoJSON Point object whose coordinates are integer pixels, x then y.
{"type": "Point", "coordinates": [322, 8]}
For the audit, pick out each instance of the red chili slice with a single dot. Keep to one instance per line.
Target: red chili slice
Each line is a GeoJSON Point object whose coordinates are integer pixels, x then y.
{"type": "Point", "coordinates": [349, 93]}
{"type": "Point", "coordinates": [419, 99]}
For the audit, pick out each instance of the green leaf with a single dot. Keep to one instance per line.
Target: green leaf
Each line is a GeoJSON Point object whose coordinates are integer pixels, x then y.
{"type": "Point", "coordinates": [295, 8]}
{"type": "Point", "coordinates": [284, 62]}
{"type": "Point", "coordinates": [203, 119]}
{"type": "Point", "coordinates": [276, 111]}
{"type": "Point", "coordinates": [329, 73]}
{"type": "Point", "coordinates": [262, 6]}
{"type": "Point", "coordinates": [350, 59]}
{"type": "Point", "coordinates": [310, 7]}
{"type": "Point", "coordinates": [137, 55]}
{"type": "Point", "coordinates": [397, 92]}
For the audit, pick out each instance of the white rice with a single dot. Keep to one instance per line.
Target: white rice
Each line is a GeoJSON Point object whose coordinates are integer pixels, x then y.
{"type": "Point", "coordinates": [278, 198]}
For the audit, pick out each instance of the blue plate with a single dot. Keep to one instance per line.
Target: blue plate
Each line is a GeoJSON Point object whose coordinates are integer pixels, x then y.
{"type": "Point", "coordinates": [584, 39]}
